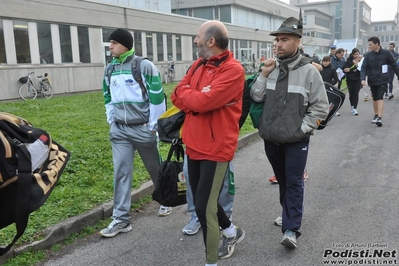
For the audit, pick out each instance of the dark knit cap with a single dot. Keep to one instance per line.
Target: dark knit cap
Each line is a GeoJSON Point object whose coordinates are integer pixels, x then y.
{"type": "Point", "coordinates": [123, 37]}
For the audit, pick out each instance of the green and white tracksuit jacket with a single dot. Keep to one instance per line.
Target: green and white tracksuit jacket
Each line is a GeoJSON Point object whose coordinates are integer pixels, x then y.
{"type": "Point", "coordinates": [124, 100]}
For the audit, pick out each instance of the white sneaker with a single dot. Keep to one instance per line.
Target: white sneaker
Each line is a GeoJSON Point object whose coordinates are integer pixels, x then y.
{"type": "Point", "coordinates": [164, 211]}
{"type": "Point", "coordinates": [337, 114]}
{"type": "Point", "coordinates": [305, 175]}
{"type": "Point", "coordinates": [354, 112]}
{"type": "Point", "coordinates": [115, 227]}
{"type": "Point", "coordinates": [278, 221]}
{"type": "Point", "coordinates": [192, 227]}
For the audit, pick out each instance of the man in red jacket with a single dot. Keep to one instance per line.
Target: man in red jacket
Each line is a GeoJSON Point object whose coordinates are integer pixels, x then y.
{"type": "Point", "coordinates": [211, 96]}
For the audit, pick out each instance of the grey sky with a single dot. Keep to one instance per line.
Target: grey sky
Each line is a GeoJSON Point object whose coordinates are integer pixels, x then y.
{"type": "Point", "coordinates": [379, 12]}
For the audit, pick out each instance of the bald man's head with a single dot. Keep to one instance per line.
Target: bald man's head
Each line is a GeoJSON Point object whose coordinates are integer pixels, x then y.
{"type": "Point", "coordinates": [216, 29]}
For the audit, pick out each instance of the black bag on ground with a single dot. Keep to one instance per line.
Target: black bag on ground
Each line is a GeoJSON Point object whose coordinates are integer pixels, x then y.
{"type": "Point", "coordinates": [336, 98]}
{"type": "Point", "coordinates": [171, 186]}
{"type": "Point", "coordinates": [25, 181]}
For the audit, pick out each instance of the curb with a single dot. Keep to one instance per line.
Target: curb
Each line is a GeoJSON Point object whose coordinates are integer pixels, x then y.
{"type": "Point", "coordinates": [59, 232]}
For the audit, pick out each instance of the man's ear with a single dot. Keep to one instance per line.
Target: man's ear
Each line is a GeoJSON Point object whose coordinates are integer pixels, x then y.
{"type": "Point", "coordinates": [212, 42]}
{"type": "Point", "coordinates": [298, 42]}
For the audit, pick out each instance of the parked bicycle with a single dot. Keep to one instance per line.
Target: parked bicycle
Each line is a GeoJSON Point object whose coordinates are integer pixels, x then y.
{"type": "Point", "coordinates": [249, 67]}
{"type": "Point", "coordinates": [168, 75]}
{"type": "Point", "coordinates": [27, 91]}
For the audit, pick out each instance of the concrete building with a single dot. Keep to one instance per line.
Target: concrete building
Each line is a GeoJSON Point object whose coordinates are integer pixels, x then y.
{"type": "Point", "coordinates": [346, 23]}
{"type": "Point", "coordinates": [69, 39]}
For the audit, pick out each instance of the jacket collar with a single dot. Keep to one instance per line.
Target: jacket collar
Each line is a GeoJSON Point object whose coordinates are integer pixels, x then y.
{"type": "Point", "coordinates": [285, 63]}
{"type": "Point", "coordinates": [217, 60]}
{"type": "Point", "coordinates": [122, 58]}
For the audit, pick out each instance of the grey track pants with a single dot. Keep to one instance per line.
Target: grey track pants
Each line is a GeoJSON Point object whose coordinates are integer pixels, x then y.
{"type": "Point", "coordinates": [125, 140]}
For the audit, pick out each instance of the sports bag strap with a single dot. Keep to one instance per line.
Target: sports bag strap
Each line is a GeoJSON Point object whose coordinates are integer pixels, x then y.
{"type": "Point", "coordinates": [178, 150]}
{"type": "Point", "coordinates": [136, 72]}
{"type": "Point", "coordinates": [24, 184]}
{"type": "Point", "coordinates": [110, 69]}
{"type": "Point", "coordinates": [170, 153]}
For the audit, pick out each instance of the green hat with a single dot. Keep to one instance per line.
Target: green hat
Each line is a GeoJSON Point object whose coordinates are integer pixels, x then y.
{"type": "Point", "coordinates": [290, 26]}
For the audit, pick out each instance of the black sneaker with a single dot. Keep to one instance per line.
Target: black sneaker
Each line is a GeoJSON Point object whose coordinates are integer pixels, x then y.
{"type": "Point", "coordinates": [374, 119]}
{"type": "Point", "coordinates": [390, 97]}
{"type": "Point", "coordinates": [379, 122]}
{"type": "Point", "coordinates": [226, 249]}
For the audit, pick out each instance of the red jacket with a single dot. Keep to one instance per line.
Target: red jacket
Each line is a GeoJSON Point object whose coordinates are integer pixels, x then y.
{"type": "Point", "coordinates": [210, 129]}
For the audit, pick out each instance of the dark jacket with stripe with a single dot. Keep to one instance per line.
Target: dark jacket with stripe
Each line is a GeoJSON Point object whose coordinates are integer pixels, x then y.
{"type": "Point", "coordinates": [372, 67]}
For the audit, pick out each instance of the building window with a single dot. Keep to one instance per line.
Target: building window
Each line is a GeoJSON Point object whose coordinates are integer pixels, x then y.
{"type": "Point", "coordinates": [149, 43]}
{"type": "Point", "coordinates": [264, 50]}
{"type": "Point", "coordinates": [160, 46]}
{"type": "Point", "coordinates": [66, 45]}
{"type": "Point", "coordinates": [182, 12]}
{"type": "Point", "coordinates": [22, 41]}
{"type": "Point", "coordinates": [225, 14]}
{"type": "Point", "coordinates": [366, 13]}
{"type": "Point", "coordinates": [2, 45]}
{"type": "Point", "coordinates": [45, 43]}
{"type": "Point", "coordinates": [178, 48]}
{"type": "Point", "coordinates": [169, 47]}
{"type": "Point", "coordinates": [245, 51]}
{"type": "Point", "coordinates": [376, 28]}
{"type": "Point", "coordinates": [322, 22]}
{"type": "Point", "coordinates": [84, 44]}
{"type": "Point", "coordinates": [106, 33]}
{"type": "Point", "coordinates": [204, 12]}
{"type": "Point", "coordinates": [138, 48]}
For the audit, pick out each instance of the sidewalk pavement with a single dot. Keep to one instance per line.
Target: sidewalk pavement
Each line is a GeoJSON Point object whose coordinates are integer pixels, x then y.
{"type": "Point", "coordinates": [59, 232]}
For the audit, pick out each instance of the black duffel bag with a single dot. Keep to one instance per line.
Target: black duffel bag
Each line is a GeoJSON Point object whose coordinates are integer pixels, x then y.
{"type": "Point", "coordinates": [171, 187]}
{"type": "Point", "coordinates": [25, 181]}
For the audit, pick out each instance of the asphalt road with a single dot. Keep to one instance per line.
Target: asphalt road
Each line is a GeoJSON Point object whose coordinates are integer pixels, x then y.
{"type": "Point", "coordinates": [351, 207]}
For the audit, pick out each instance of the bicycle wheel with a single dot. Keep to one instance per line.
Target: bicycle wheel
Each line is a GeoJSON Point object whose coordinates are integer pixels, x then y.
{"type": "Point", "coordinates": [165, 78]}
{"type": "Point", "coordinates": [47, 90]}
{"type": "Point", "coordinates": [27, 92]}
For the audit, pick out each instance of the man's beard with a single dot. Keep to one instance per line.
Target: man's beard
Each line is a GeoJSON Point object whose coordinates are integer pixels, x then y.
{"type": "Point", "coordinates": [203, 52]}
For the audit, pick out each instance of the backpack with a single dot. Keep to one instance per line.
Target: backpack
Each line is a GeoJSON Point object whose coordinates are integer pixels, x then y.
{"type": "Point", "coordinates": [31, 163]}
{"type": "Point", "coordinates": [336, 98]}
{"type": "Point", "coordinates": [171, 187]}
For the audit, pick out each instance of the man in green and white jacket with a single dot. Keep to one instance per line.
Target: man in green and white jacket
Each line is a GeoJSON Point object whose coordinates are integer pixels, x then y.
{"type": "Point", "coordinates": [132, 115]}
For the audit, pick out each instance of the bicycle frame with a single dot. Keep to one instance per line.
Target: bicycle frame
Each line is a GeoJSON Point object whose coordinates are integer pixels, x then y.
{"type": "Point", "coordinates": [30, 82]}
